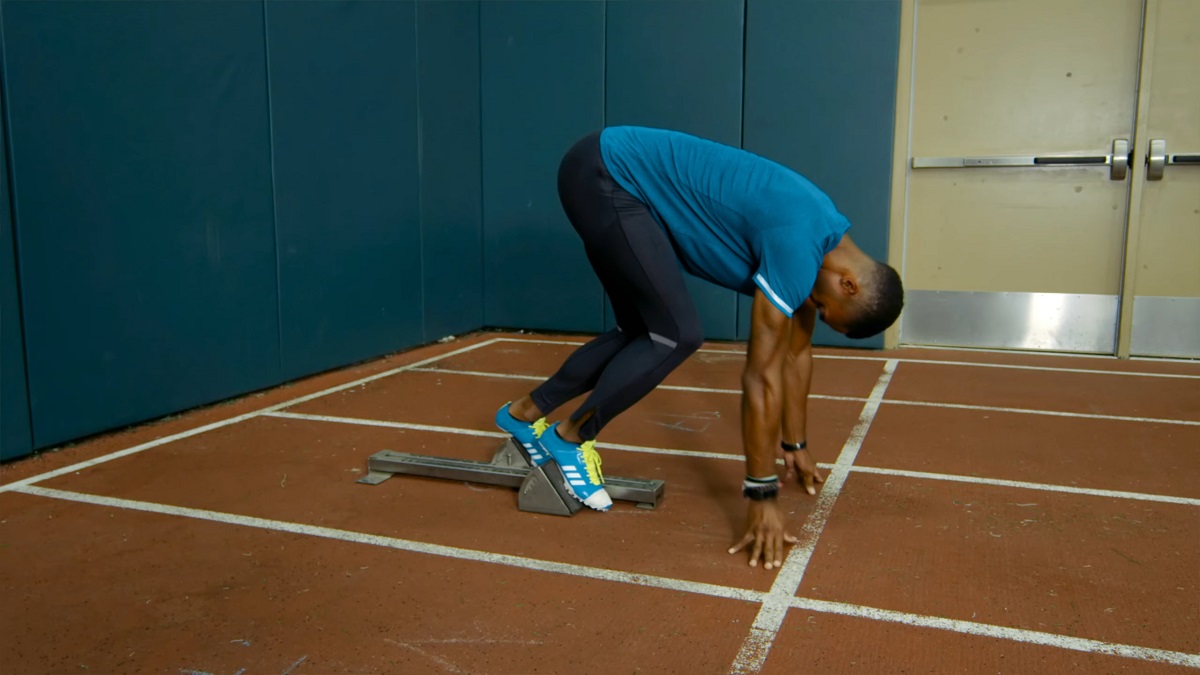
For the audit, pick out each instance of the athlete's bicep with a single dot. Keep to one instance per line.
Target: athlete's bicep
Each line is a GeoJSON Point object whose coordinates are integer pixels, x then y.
{"type": "Point", "coordinates": [768, 335]}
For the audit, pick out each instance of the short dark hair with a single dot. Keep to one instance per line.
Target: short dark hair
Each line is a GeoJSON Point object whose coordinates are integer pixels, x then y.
{"type": "Point", "coordinates": [881, 303]}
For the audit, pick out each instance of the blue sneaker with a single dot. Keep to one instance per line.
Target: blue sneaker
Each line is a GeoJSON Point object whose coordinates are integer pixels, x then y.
{"type": "Point", "coordinates": [580, 466]}
{"type": "Point", "coordinates": [525, 433]}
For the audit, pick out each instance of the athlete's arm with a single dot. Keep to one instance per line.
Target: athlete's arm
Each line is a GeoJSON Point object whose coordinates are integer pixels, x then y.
{"type": "Point", "coordinates": [797, 377]}
{"type": "Point", "coordinates": [762, 406]}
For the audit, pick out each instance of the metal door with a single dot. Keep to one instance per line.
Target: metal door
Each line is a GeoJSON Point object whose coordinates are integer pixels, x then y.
{"type": "Point", "coordinates": [1164, 261]}
{"type": "Point", "coordinates": [1023, 113]}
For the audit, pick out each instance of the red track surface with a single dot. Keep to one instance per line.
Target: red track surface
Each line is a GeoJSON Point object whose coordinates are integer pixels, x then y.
{"type": "Point", "coordinates": [975, 533]}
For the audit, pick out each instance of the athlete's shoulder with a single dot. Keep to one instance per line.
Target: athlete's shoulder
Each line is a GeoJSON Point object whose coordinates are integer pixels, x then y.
{"type": "Point", "coordinates": [638, 133]}
{"type": "Point", "coordinates": [653, 135]}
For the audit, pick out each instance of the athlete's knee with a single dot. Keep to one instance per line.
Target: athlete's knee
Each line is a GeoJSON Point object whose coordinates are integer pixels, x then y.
{"type": "Point", "coordinates": [686, 339]}
{"type": "Point", "coordinates": [690, 340]}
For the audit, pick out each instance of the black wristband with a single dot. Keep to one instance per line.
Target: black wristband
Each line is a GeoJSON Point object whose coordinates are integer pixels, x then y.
{"type": "Point", "coordinates": [760, 494]}
{"type": "Point", "coordinates": [792, 447]}
{"type": "Point", "coordinates": [760, 489]}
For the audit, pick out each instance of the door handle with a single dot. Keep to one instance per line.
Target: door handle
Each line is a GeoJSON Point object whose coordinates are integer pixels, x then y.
{"type": "Point", "coordinates": [1157, 159]}
{"type": "Point", "coordinates": [1118, 161]}
{"type": "Point", "coordinates": [1121, 155]}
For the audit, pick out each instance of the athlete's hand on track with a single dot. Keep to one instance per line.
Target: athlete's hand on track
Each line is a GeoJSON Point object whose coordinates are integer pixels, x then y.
{"type": "Point", "coordinates": [764, 529]}
{"type": "Point", "coordinates": [800, 465]}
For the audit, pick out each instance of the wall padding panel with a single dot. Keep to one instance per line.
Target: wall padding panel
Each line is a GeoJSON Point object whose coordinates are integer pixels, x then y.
{"type": "Point", "coordinates": [543, 89]}
{"type": "Point", "coordinates": [15, 437]}
{"type": "Point", "coordinates": [449, 159]}
{"type": "Point", "coordinates": [677, 64]}
{"type": "Point", "coordinates": [343, 79]}
{"type": "Point", "coordinates": [142, 181]}
{"type": "Point", "coordinates": [820, 98]}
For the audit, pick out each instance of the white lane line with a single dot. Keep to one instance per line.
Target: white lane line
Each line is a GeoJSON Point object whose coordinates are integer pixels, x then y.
{"type": "Point", "coordinates": [603, 574]}
{"type": "Point", "coordinates": [847, 357]}
{"type": "Point", "coordinates": [1050, 413]}
{"type": "Point", "coordinates": [1001, 482]}
{"type": "Point", "coordinates": [516, 561]}
{"type": "Point", "coordinates": [668, 387]}
{"type": "Point", "coordinates": [490, 434]}
{"type": "Point", "coordinates": [702, 350]}
{"type": "Point", "coordinates": [1001, 632]}
{"type": "Point", "coordinates": [1073, 355]}
{"type": "Point", "coordinates": [1045, 487]}
{"type": "Point", "coordinates": [384, 423]}
{"type": "Point", "coordinates": [753, 654]}
{"type": "Point", "coordinates": [1010, 352]}
{"type": "Point", "coordinates": [580, 343]}
{"type": "Point", "coordinates": [1053, 369]}
{"type": "Point", "coordinates": [890, 401]}
{"type": "Point", "coordinates": [227, 422]}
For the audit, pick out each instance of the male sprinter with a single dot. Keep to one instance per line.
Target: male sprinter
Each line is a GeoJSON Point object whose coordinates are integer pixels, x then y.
{"type": "Point", "coordinates": [646, 201]}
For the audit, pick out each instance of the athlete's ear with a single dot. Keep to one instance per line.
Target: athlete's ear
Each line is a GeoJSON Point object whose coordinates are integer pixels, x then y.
{"type": "Point", "coordinates": [849, 284]}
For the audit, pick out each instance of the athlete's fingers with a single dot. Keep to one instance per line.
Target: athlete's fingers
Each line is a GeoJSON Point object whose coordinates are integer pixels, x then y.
{"type": "Point", "coordinates": [742, 544]}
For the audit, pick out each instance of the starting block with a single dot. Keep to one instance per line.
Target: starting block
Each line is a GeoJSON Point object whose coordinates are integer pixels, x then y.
{"type": "Point", "coordinates": [540, 489]}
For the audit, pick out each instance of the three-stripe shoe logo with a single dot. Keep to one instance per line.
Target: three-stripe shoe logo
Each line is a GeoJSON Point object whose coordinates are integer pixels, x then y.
{"type": "Point", "coordinates": [572, 474]}
{"type": "Point", "coordinates": [534, 454]}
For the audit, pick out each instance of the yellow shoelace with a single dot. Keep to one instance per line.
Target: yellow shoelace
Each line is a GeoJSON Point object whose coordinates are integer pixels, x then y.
{"type": "Point", "coordinates": [540, 427]}
{"type": "Point", "coordinates": [591, 460]}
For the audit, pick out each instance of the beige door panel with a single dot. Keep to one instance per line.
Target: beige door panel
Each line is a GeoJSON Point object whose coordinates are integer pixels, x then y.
{"type": "Point", "coordinates": [1169, 250]}
{"type": "Point", "coordinates": [1166, 278]}
{"type": "Point", "coordinates": [1018, 257]}
{"type": "Point", "coordinates": [997, 230]}
{"type": "Point", "coordinates": [998, 77]}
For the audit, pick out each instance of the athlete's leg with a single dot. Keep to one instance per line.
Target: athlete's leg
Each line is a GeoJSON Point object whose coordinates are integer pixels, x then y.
{"type": "Point", "coordinates": [585, 190]}
{"type": "Point", "coordinates": [654, 308]}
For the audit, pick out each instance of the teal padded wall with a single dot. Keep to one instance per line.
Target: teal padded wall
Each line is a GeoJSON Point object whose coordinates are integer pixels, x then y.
{"type": "Point", "coordinates": [820, 98]}
{"type": "Point", "coordinates": [343, 94]}
{"type": "Point", "coordinates": [677, 64]}
{"type": "Point", "coordinates": [143, 207]}
{"type": "Point", "coordinates": [448, 155]}
{"type": "Point", "coordinates": [15, 438]}
{"type": "Point", "coordinates": [210, 198]}
{"type": "Point", "coordinates": [542, 90]}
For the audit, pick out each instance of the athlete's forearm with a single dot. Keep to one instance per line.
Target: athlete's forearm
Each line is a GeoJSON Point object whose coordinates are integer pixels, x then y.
{"type": "Point", "coordinates": [762, 386]}
{"type": "Point", "coordinates": [797, 377]}
{"type": "Point", "coordinates": [797, 373]}
{"type": "Point", "coordinates": [762, 406]}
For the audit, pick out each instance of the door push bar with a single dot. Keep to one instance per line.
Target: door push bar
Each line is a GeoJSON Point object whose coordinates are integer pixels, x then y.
{"type": "Point", "coordinates": [1118, 161]}
{"type": "Point", "coordinates": [1157, 159]}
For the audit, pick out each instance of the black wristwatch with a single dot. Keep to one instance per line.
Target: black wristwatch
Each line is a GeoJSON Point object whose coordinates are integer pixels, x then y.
{"type": "Point", "coordinates": [792, 447]}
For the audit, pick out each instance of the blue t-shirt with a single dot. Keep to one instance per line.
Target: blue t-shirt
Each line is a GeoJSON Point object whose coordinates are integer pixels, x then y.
{"type": "Point", "coordinates": [734, 218]}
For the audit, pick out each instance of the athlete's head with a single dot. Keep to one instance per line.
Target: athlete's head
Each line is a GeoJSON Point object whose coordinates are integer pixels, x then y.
{"type": "Point", "coordinates": [856, 295]}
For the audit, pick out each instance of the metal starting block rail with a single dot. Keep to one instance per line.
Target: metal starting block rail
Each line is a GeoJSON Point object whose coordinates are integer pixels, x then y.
{"type": "Point", "coordinates": [540, 489]}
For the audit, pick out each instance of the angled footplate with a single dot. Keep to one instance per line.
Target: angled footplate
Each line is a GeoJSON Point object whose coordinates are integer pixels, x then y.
{"type": "Point", "coordinates": [540, 489]}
